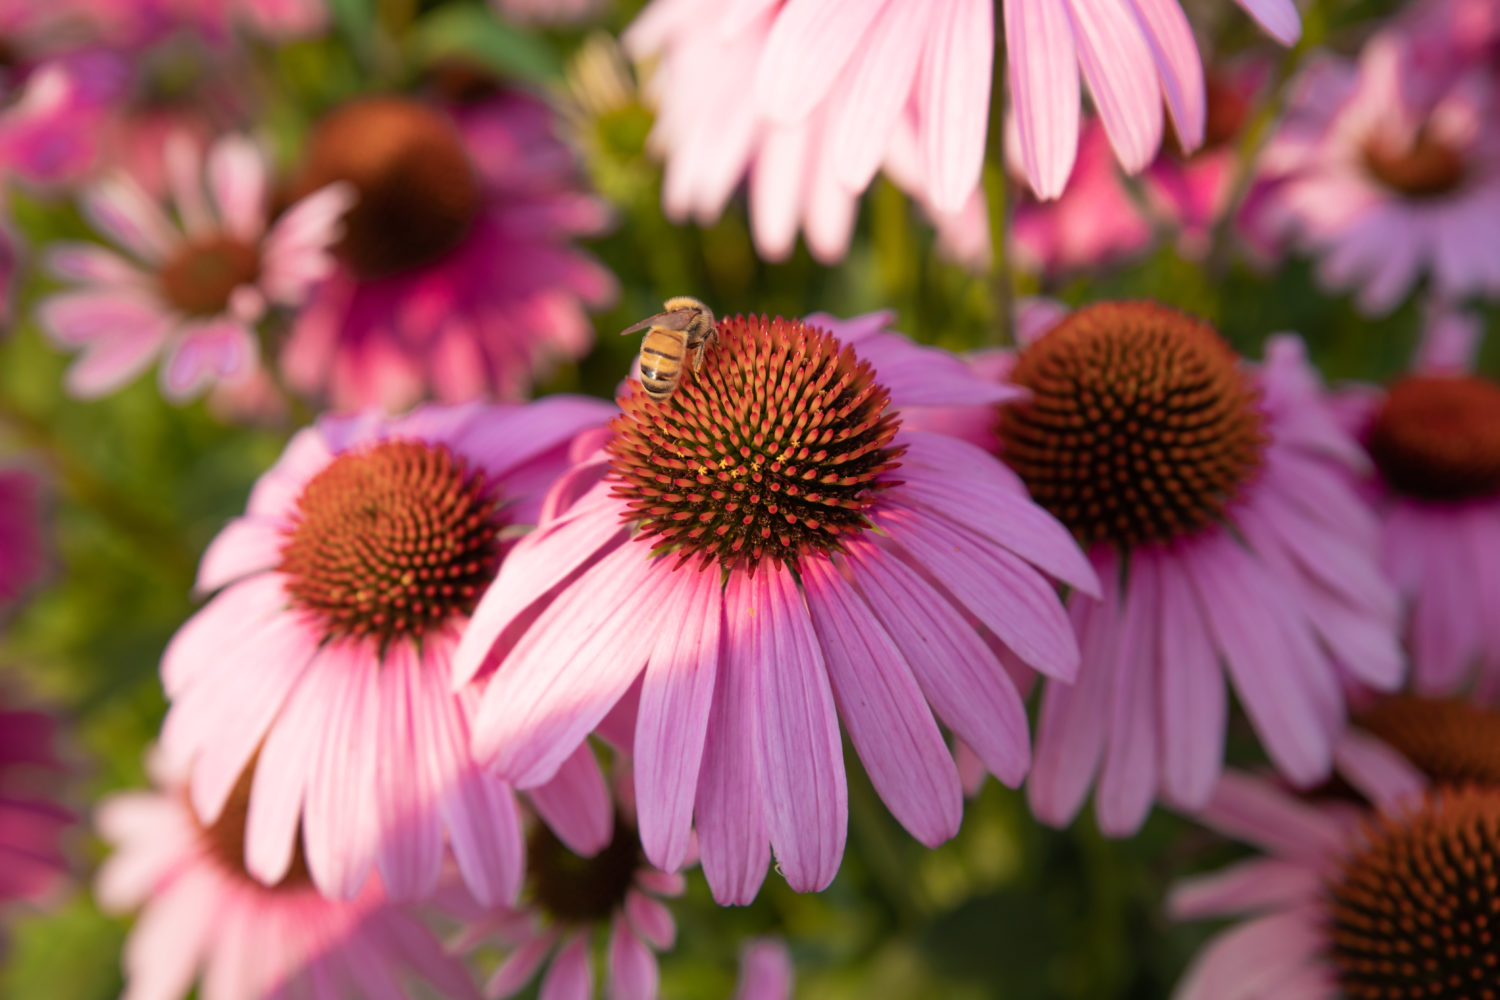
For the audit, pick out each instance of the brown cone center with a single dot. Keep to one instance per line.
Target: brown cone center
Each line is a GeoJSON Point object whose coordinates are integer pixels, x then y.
{"type": "Point", "coordinates": [1428, 168]}
{"type": "Point", "coordinates": [200, 278]}
{"type": "Point", "coordinates": [776, 447]}
{"type": "Point", "coordinates": [577, 890]}
{"type": "Point", "coordinates": [1438, 437]}
{"type": "Point", "coordinates": [392, 540]}
{"type": "Point", "coordinates": [418, 192]}
{"type": "Point", "coordinates": [1451, 740]}
{"type": "Point", "coordinates": [1141, 426]}
{"type": "Point", "coordinates": [1414, 912]}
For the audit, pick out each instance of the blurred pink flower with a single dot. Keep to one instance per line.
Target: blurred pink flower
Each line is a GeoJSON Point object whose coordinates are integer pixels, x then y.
{"type": "Point", "coordinates": [32, 864]}
{"type": "Point", "coordinates": [196, 289]}
{"type": "Point", "coordinates": [1348, 901]}
{"type": "Point", "coordinates": [458, 276]}
{"type": "Point", "coordinates": [1390, 168]}
{"type": "Point", "coordinates": [22, 553]}
{"type": "Point", "coordinates": [325, 655]}
{"type": "Point", "coordinates": [1434, 436]}
{"type": "Point", "coordinates": [204, 919]}
{"type": "Point", "coordinates": [1212, 501]}
{"type": "Point", "coordinates": [759, 555]}
{"type": "Point", "coordinates": [549, 11]}
{"type": "Point", "coordinates": [568, 902]}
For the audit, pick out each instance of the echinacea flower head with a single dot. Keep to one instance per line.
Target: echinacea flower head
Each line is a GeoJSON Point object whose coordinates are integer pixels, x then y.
{"type": "Point", "coordinates": [566, 903]}
{"type": "Point", "coordinates": [1434, 438]}
{"type": "Point", "coordinates": [1213, 503]}
{"type": "Point", "coordinates": [32, 863]}
{"type": "Point", "coordinates": [759, 555]}
{"type": "Point", "coordinates": [190, 291]}
{"type": "Point", "coordinates": [457, 277]}
{"type": "Point", "coordinates": [1453, 741]}
{"type": "Point", "coordinates": [1350, 903]}
{"type": "Point", "coordinates": [204, 919]}
{"type": "Point", "coordinates": [22, 554]}
{"type": "Point", "coordinates": [325, 657]}
{"type": "Point", "coordinates": [1387, 170]}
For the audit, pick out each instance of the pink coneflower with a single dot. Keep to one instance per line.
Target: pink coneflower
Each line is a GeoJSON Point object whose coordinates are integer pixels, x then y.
{"type": "Point", "coordinates": [32, 864]}
{"type": "Point", "coordinates": [1212, 501]}
{"type": "Point", "coordinates": [761, 555]}
{"type": "Point", "coordinates": [1388, 169]}
{"type": "Point", "coordinates": [205, 919]}
{"type": "Point", "coordinates": [326, 652]}
{"type": "Point", "coordinates": [1434, 438]}
{"type": "Point", "coordinates": [566, 903]}
{"type": "Point", "coordinates": [22, 554]}
{"type": "Point", "coordinates": [1350, 903]}
{"type": "Point", "coordinates": [712, 138]}
{"type": "Point", "coordinates": [195, 290]}
{"type": "Point", "coordinates": [457, 276]}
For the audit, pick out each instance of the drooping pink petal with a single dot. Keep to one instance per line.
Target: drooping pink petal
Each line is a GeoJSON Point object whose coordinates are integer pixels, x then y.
{"type": "Point", "coordinates": [571, 976]}
{"type": "Point", "coordinates": [1128, 782]}
{"type": "Point", "coordinates": [1256, 813]}
{"type": "Point", "coordinates": [1257, 884]}
{"type": "Point", "coordinates": [889, 723]}
{"type": "Point", "coordinates": [1250, 960]}
{"type": "Point", "coordinates": [798, 752]}
{"type": "Point", "coordinates": [730, 819]}
{"type": "Point", "coordinates": [1279, 17]}
{"type": "Point", "coordinates": [788, 83]}
{"type": "Point", "coordinates": [632, 966]}
{"type": "Point", "coordinates": [577, 803]}
{"type": "Point", "coordinates": [1194, 703]}
{"type": "Point", "coordinates": [410, 849]}
{"type": "Point", "coordinates": [954, 97]}
{"type": "Point", "coordinates": [1175, 52]}
{"type": "Point", "coordinates": [676, 697]}
{"type": "Point", "coordinates": [1122, 79]}
{"type": "Point", "coordinates": [246, 546]}
{"type": "Point", "coordinates": [765, 971]}
{"type": "Point", "coordinates": [1380, 773]}
{"type": "Point", "coordinates": [518, 968]}
{"type": "Point", "coordinates": [339, 820]}
{"type": "Point", "coordinates": [651, 920]}
{"type": "Point", "coordinates": [878, 92]}
{"type": "Point", "coordinates": [1042, 67]}
{"type": "Point", "coordinates": [237, 178]}
{"type": "Point", "coordinates": [225, 621]}
{"type": "Point", "coordinates": [120, 209]}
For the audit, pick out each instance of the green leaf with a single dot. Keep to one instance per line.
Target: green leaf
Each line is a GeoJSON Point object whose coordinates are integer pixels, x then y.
{"type": "Point", "coordinates": [474, 33]}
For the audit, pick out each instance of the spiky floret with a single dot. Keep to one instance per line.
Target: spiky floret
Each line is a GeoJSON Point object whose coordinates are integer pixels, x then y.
{"type": "Point", "coordinates": [1438, 437]}
{"type": "Point", "coordinates": [1451, 740]}
{"type": "Point", "coordinates": [392, 540]}
{"type": "Point", "coordinates": [578, 890]}
{"type": "Point", "coordinates": [1141, 427]}
{"type": "Point", "coordinates": [1414, 912]}
{"type": "Point", "coordinates": [775, 448]}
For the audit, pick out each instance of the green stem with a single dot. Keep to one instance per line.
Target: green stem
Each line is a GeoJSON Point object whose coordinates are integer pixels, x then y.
{"type": "Point", "coordinates": [999, 196]}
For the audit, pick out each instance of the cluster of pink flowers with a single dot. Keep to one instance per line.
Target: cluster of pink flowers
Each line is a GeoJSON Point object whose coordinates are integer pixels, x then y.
{"type": "Point", "coordinates": [519, 666]}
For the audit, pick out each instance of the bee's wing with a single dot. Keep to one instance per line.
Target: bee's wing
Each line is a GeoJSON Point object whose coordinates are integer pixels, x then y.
{"type": "Point", "coordinates": [678, 320]}
{"type": "Point", "coordinates": [643, 324]}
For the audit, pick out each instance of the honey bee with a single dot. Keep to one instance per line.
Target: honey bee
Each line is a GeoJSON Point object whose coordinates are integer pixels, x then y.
{"type": "Point", "coordinates": [686, 325]}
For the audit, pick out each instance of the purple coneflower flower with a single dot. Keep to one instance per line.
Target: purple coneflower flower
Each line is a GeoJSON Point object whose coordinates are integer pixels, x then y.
{"type": "Point", "coordinates": [1213, 502]}
{"type": "Point", "coordinates": [769, 551]}
{"type": "Point", "coordinates": [205, 919]}
{"type": "Point", "coordinates": [192, 291]}
{"type": "Point", "coordinates": [457, 276]}
{"type": "Point", "coordinates": [326, 654]}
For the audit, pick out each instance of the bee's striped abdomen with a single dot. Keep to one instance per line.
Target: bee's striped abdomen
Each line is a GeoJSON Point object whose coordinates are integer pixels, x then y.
{"type": "Point", "coordinates": [661, 362]}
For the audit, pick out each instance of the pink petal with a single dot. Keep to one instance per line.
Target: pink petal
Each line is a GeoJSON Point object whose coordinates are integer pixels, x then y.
{"type": "Point", "coordinates": [339, 820]}
{"type": "Point", "coordinates": [570, 977]}
{"type": "Point", "coordinates": [171, 936]}
{"type": "Point", "coordinates": [1380, 773]}
{"type": "Point", "coordinates": [1278, 17]}
{"type": "Point", "coordinates": [776, 190]}
{"type": "Point", "coordinates": [809, 44]}
{"type": "Point", "coordinates": [1256, 812]}
{"type": "Point", "coordinates": [572, 665]}
{"type": "Point", "coordinates": [1193, 699]}
{"type": "Point", "coordinates": [246, 546]}
{"type": "Point", "coordinates": [879, 87]}
{"type": "Point", "coordinates": [651, 920]}
{"type": "Point", "coordinates": [237, 178]}
{"type": "Point", "coordinates": [224, 623]}
{"type": "Point", "coordinates": [101, 316]}
{"type": "Point", "coordinates": [1257, 884]}
{"type": "Point", "coordinates": [731, 824]}
{"type": "Point", "coordinates": [1175, 52]}
{"type": "Point", "coordinates": [632, 967]}
{"type": "Point", "coordinates": [954, 101]}
{"type": "Point", "coordinates": [576, 803]}
{"type": "Point", "coordinates": [1249, 961]}
{"type": "Point", "coordinates": [121, 210]}
{"type": "Point", "coordinates": [410, 850]}
{"type": "Point", "coordinates": [504, 441]}
{"type": "Point", "coordinates": [889, 723]}
{"type": "Point", "coordinates": [518, 968]}
{"type": "Point", "coordinates": [1043, 73]}
{"type": "Point", "coordinates": [798, 752]}
{"type": "Point", "coordinates": [1128, 782]}
{"type": "Point", "coordinates": [675, 701]}
{"type": "Point", "coordinates": [765, 971]}
{"type": "Point", "coordinates": [89, 264]}
{"type": "Point", "coordinates": [958, 674]}
{"type": "Point", "coordinates": [1121, 76]}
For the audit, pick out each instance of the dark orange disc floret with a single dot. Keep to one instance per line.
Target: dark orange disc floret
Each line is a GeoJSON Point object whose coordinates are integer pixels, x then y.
{"type": "Point", "coordinates": [1438, 437]}
{"type": "Point", "coordinates": [200, 278]}
{"type": "Point", "coordinates": [392, 540]}
{"type": "Point", "coordinates": [1141, 426]}
{"type": "Point", "coordinates": [419, 194]}
{"type": "Point", "coordinates": [1451, 740]}
{"type": "Point", "coordinates": [776, 447]}
{"type": "Point", "coordinates": [577, 890]}
{"type": "Point", "coordinates": [1414, 913]}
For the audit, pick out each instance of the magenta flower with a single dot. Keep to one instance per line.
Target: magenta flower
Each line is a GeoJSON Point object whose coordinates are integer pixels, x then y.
{"type": "Point", "coordinates": [457, 275]}
{"type": "Point", "coordinates": [712, 138]}
{"type": "Point", "coordinates": [1347, 902]}
{"type": "Point", "coordinates": [22, 554]}
{"type": "Point", "coordinates": [326, 654]}
{"type": "Point", "coordinates": [567, 902]}
{"type": "Point", "coordinates": [1213, 502]}
{"type": "Point", "coordinates": [1434, 438]}
{"type": "Point", "coordinates": [759, 556]}
{"type": "Point", "coordinates": [195, 291]}
{"type": "Point", "coordinates": [1389, 169]}
{"type": "Point", "coordinates": [205, 919]}
{"type": "Point", "coordinates": [32, 864]}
